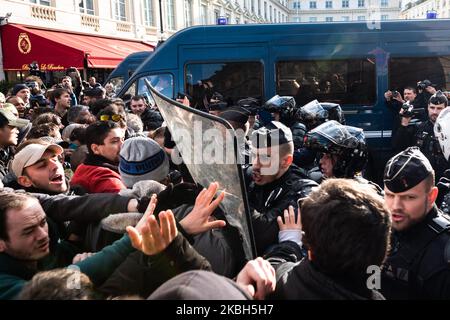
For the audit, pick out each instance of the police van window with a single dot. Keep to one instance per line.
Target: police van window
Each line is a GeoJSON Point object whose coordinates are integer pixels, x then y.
{"type": "Point", "coordinates": [117, 82]}
{"type": "Point", "coordinates": [234, 80]}
{"type": "Point", "coordinates": [405, 72]}
{"type": "Point", "coordinates": [338, 81]}
{"type": "Point", "coordinates": [163, 83]}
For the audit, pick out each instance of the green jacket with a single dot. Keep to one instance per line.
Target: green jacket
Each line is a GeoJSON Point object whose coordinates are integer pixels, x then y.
{"type": "Point", "coordinates": [14, 274]}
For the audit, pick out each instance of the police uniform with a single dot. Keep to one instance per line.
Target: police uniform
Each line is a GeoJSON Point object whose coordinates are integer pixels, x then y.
{"type": "Point", "coordinates": [418, 265]}
{"type": "Point", "coordinates": [422, 136]}
{"type": "Point", "coordinates": [269, 201]}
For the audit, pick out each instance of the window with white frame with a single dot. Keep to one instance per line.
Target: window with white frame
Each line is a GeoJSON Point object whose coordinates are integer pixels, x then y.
{"type": "Point", "coordinates": [119, 8]}
{"type": "Point", "coordinates": [259, 7]}
{"type": "Point", "coordinates": [384, 3]}
{"type": "Point", "coordinates": [296, 19]}
{"type": "Point", "coordinates": [345, 3]}
{"type": "Point", "coordinates": [270, 13]}
{"type": "Point", "coordinates": [329, 19]}
{"type": "Point", "coordinates": [312, 4]}
{"type": "Point", "coordinates": [345, 18]}
{"type": "Point", "coordinates": [296, 5]}
{"type": "Point", "coordinates": [171, 14]}
{"type": "Point", "coordinates": [361, 18]}
{"type": "Point", "coordinates": [312, 19]}
{"type": "Point", "coordinates": [87, 7]}
{"type": "Point", "coordinates": [42, 2]}
{"type": "Point", "coordinates": [148, 13]}
{"type": "Point", "coordinates": [384, 17]}
{"type": "Point", "coordinates": [204, 14]}
{"type": "Point", "coordinates": [328, 4]}
{"type": "Point", "coordinates": [187, 13]}
{"type": "Point", "coordinates": [265, 10]}
{"type": "Point", "coordinates": [360, 3]}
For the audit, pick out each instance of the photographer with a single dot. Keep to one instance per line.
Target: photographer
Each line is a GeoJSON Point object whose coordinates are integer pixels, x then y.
{"type": "Point", "coordinates": [422, 135]}
{"type": "Point", "coordinates": [394, 102]}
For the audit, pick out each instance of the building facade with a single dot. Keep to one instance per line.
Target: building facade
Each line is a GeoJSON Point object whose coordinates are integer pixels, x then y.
{"type": "Point", "coordinates": [343, 10]}
{"type": "Point", "coordinates": [419, 9]}
{"type": "Point", "coordinates": [148, 21]}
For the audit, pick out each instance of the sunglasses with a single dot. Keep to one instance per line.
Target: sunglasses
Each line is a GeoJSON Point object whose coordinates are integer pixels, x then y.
{"type": "Point", "coordinates": [114, 117]}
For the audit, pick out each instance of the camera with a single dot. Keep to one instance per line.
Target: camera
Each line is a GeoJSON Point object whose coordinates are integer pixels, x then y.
{"type": "Point", "coordinates": [422, 85]}
{"type": "Point", "coordinates": [407, 110]}
{"type": "Point", "coordinates": [38, 100]}
{"type": "Point", "coordinates": [395, 93]}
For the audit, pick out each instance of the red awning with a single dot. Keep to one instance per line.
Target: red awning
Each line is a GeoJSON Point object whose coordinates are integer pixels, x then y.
{"type": "Point", "coordinates": [58, 50]}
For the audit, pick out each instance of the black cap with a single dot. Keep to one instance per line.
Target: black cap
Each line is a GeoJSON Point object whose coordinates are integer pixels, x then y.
{"type": "Point", "coordinates": [274, 133]}
{"type": "Point", "coordinates": [217, 106]}
{"type": "Point", "coordinates": [199, 285]}
{"type": "Point", "coordinates": [237, 114]}
{"type": "Point", "coordinates": [18, 87]}
{"type": "Point", "coordinates": [406, 170]}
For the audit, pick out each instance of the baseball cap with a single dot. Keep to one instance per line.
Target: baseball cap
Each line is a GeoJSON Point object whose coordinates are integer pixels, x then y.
{"type": "Point", "coordinates": [31, 154]}
{"type": "Point", "coordinates": [13, 120]}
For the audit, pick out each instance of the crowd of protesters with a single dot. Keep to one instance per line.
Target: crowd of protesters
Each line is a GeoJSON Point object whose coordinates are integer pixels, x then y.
{"type": "Point", "coordinates": [89, 188]}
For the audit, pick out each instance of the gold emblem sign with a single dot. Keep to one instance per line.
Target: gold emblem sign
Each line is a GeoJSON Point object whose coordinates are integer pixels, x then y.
{"type": "Point", "coordinates": [24, 43]}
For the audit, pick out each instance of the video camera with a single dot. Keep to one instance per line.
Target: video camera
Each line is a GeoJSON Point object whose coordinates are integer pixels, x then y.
{"type": "Point", "coordinates": [422, 85]}
{"type": "Point", "coordinates": [38, 100]}
{"type": "Point", "coordinates": [408, 110]}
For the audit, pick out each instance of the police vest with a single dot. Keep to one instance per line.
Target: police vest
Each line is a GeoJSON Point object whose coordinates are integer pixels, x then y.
{"type": "Point", "coordinates": [405, 271]}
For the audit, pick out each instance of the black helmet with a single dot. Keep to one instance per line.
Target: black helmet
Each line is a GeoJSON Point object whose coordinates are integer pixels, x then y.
{"type": "Point", "coordinates": [280, 104]}
{"type": "Point", "coordinates": [346, 142]}
{"type": "Point", "coordinates": [250, 104]}
{"type": "Point", "coordinates": [312, 114]}
{"type": "Point", "coordinates": [334, 111]}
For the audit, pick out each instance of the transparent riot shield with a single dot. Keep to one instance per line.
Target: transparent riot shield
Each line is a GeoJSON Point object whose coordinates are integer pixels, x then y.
{"type": "Point", "coordinates": [208, 147]}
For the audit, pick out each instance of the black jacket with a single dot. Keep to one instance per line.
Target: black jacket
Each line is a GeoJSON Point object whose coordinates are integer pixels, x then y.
{"type": "Point", "coordinates": [267, 202]}
{"type": "Point", "coordinates": [303, 281]}
{"type": "Point", "coordinates": [422, 135]}
{"type": "Point", "coordinates": [418, 265]}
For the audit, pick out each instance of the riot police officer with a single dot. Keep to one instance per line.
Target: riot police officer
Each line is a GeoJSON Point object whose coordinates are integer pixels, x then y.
{"type": "Point", "coordinates": [422, 135]}
{"type": "Point", "coordinates": [343, 150]}
{"type": "Point", "coordinates": [275, 182]}
{"type": "Point", "coordinates": [418, 265]}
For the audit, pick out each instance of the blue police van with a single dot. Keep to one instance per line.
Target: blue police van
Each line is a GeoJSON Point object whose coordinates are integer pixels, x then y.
{"type": "Point", "coordinates": [350, 63]}
{"type": "Point", "coordinates": [120, 75]}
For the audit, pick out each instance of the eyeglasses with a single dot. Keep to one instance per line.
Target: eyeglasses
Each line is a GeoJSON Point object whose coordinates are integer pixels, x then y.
{"type": "Point", "coordinates": [114, 117]}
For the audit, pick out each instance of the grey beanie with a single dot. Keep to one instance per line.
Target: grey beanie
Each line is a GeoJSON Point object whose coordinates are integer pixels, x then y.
{"type": "Point", "coordinates": [142, 159]}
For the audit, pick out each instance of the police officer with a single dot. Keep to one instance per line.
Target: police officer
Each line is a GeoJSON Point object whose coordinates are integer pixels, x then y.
{"type": "Point", "coordinates": [418, 266]}
{"type": "Point", "coordinates": [275, 183]}
{"type": "Point", "coordinates": [422, 135]}
{"type": "Point", "coordinates": [343, 150]}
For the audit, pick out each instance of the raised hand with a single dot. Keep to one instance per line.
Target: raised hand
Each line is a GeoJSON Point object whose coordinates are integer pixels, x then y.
{"type": "Point", "coordinates": [289, 220]}
{"type": "Point", "coordinates": [153, 237]}
{"type": "Point", "coordinates": [199, 219]}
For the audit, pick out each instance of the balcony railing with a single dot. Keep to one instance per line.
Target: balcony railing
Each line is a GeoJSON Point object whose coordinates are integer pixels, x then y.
{"type": "Point", "coordinates": [123, 26]}
{"type": "Point", "coordinates": [90, 21]}
{"type": "Point", "coordinates": [44, 13]}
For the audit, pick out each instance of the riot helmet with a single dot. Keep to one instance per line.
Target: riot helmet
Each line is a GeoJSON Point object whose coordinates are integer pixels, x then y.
{"type": "Point", "coordinates": [280, 104]}
{"type": "Point", "coordinates": [312, 114]}
{"type": "Point", "coordinates": [250, 104]}
{"type": "Point", "coordinates": [345, 142]}
{"type": "Point", "coordinates": [334, 111]}
{"type": "Point", "coordinates": [442, 131]}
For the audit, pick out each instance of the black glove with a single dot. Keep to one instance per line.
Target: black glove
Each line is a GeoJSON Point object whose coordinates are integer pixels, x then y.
{"type": "Point", "coordinates": [176, 195]}
{"type": "Point", "coordinates": [143, 204]}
